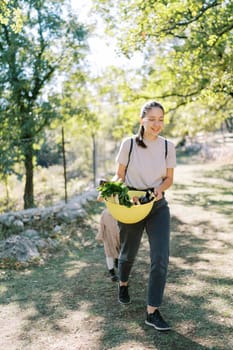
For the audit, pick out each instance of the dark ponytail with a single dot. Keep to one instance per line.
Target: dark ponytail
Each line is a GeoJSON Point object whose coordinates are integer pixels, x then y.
{"type": "Point", "coordinates": [139, 137]}
{"type": "Point", "coordinates": [148, 106]}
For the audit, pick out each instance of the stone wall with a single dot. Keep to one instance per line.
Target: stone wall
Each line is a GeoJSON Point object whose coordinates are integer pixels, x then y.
{"type": "Point", "coordinates": [25, 242]}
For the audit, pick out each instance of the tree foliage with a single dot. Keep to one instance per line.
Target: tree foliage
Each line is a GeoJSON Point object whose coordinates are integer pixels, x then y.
{"type": "Point", "coordinates": [10, 15]}
{"type": "Point", "coordinates": [188, 54]}
{"type": "Point", "coordinates": [50, 43]}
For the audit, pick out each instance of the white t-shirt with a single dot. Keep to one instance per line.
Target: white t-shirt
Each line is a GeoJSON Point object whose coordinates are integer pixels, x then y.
{"type": "Point", "coordinates": [147, 166]}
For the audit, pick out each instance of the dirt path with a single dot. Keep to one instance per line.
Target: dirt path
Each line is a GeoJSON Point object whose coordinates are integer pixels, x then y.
{"type": "Point", "coordinates": [70, 304]}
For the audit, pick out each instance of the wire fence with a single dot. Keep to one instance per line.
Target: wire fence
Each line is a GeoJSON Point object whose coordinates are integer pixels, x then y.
{"type": "Point", "coordinates": [74, 171]}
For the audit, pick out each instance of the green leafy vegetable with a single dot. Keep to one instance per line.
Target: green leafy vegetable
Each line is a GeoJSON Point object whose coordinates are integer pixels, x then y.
{"type": "Point", "coordinates": [108, 189]}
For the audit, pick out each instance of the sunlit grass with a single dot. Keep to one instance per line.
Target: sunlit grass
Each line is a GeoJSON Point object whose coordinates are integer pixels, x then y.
{"type": "Point", "coordinates": [70, 300]}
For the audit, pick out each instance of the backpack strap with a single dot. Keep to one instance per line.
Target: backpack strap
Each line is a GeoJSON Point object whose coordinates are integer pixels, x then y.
{"type": "Point", "coordinates": [165, 148]}
{"type": "Point", "coordinates": [130, 151]}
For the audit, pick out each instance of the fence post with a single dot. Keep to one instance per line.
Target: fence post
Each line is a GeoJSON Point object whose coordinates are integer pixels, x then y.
{"type": "Point", "coordinates": [94, 158]}
{"type": "Point", "coordinates": [64, 161]}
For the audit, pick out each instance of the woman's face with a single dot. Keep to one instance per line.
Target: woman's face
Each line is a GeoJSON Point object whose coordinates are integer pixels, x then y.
{"type": "Point", "coordinates": [153, 122]}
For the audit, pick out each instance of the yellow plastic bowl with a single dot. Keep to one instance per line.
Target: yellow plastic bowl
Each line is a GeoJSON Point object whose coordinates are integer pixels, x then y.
{"type": "Point", "coordinates": [129, 215]}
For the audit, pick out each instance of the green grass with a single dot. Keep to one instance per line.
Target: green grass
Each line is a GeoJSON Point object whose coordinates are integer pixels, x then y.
{"type": "Point", "coordinates": [70, 303]}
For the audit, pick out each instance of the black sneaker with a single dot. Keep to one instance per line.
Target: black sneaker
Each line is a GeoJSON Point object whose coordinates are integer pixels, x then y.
{"type": "Point", "coordinates": [113, 275]}
{"type": "Point", "coordinates": [123, 297]}
{"type": "Point", "coordinates": [156, 320]}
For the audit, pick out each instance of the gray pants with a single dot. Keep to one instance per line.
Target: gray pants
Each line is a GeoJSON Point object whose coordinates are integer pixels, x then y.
{"type": "Point", "coordinates": [157, 226]}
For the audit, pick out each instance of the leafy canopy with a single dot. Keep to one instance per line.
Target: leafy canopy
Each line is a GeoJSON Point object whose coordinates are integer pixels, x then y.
{"type": "Point", "coordinates": [11, 15]}
{"type": "Point", "coordinates": [50, 44]}
{"type": "Point", "coordinates": [188, 53]}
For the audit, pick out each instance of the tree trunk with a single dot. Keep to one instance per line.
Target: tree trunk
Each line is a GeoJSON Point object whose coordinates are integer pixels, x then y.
{"type": "Point", "coordinates": [94, 159]}
{"type": "Point", "coordinates": [7, 191]}
{"type": "Point", "coordinates": [28, 189]}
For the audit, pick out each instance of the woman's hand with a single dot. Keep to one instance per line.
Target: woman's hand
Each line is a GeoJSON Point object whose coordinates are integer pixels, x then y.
{"type": "Point", "coordinates": [167, 182]}
{"type": "Point", "coordinates": [158, 194]}
{"type": "Point", "coordinates": [99, 198]}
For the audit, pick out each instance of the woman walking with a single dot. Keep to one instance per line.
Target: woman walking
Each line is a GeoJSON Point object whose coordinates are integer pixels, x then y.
{"type": "Point", "coordinates": [146, 161]}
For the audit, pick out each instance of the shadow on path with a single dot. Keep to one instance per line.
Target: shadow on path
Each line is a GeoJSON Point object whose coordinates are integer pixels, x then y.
{"type": "Point", "coordinates": [77, 282]}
